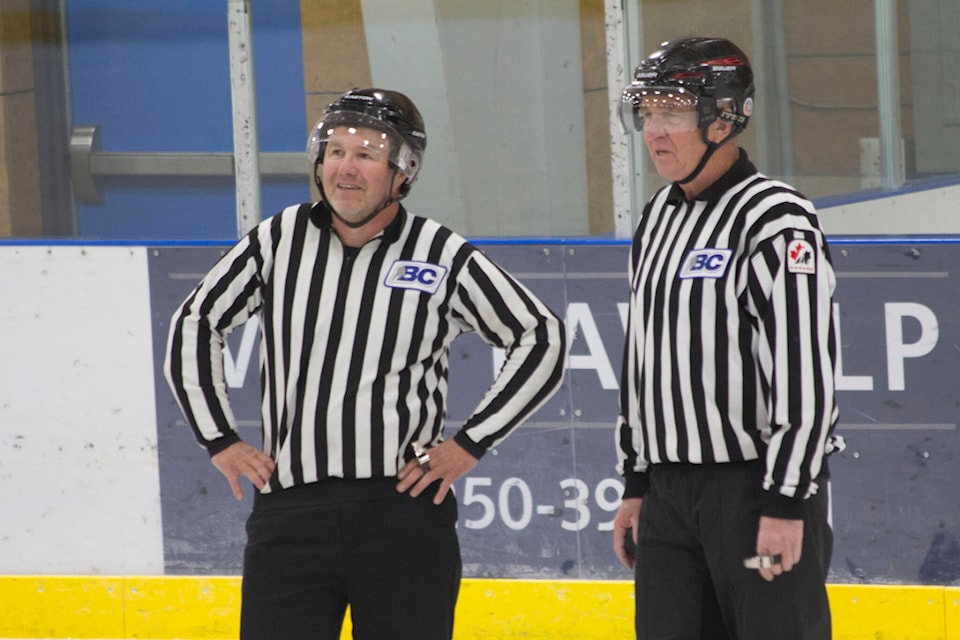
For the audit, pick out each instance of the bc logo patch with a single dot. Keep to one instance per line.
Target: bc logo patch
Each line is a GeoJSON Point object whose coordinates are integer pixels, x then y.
{"type": "Point", "coordinates": [800, 257]}
{"type": "Point", "coordinates": [409, 274]}
{"type": "Point", "coordinates": [706, 263]}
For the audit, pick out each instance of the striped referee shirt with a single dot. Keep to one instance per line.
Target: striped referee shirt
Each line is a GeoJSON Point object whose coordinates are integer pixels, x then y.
{"type": "Point", "coordinates": [354, 344]}
{"type": "Point", "coordinates": [730, 347]}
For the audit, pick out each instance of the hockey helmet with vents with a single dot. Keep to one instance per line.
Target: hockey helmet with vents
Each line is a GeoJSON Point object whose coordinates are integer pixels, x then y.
{"type": "Point", "coordinates": [712, 74]}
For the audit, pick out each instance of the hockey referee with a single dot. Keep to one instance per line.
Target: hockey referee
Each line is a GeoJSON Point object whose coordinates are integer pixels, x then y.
{"type": "Point", "coordinates": [358, 302]}
{"type": "Point", "coordinates": [727, 394]}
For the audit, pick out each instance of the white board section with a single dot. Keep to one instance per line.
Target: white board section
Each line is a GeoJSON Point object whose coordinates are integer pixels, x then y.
{"type": "Point", "coordinates": [79, 485]}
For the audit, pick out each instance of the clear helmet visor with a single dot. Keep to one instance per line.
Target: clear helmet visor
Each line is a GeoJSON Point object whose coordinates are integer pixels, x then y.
{"type": "Point", "coordinates": [371, 134]}
{"type": "Point", "coordinates": [667, 109]}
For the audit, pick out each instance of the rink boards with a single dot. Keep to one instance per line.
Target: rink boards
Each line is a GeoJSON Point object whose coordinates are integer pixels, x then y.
{"type": "Point", "coordinates": [542, 504]}
{"type": "Point", "coordinates": [101, 477]}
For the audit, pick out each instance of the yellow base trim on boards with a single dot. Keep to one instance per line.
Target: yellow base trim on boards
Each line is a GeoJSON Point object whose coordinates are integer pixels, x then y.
{"type": "Point", "coordinates": [207, 608]}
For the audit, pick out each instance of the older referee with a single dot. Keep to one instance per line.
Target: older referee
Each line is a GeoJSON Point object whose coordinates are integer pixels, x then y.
{"type": "Point", "coordinates": [358, 301]}
{"type": "Point", "coordinates": [727, 395]}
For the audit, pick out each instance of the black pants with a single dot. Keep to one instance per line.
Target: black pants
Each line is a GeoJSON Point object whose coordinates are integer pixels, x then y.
{"type": "Point", "coordinates": [697, 524]}
{"type": "Point", "coordinates": [313, 550]}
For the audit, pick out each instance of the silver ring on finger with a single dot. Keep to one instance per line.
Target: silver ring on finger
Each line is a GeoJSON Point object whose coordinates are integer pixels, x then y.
{"type": "Point", "coordinates": [423, 458]}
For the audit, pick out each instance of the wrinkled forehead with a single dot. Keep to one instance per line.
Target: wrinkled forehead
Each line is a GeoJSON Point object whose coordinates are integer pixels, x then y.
{"type": "Point", "coordinates": [646, 98]}
{"type": "Point", "coordinates": [350, 135]}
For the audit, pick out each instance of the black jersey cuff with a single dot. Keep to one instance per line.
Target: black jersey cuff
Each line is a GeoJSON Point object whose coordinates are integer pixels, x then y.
{"type": "Point", "coordinates": [472, 447]}
{"type": "Point", "coordinates": [636, 484]}
{"type": "Point", "coordinates": [776, 505]}
{"type": "Point", "coordinates": [218, 445]}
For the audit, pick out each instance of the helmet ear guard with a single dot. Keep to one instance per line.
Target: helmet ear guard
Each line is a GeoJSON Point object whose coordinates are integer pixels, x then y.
{"type": "Point", "coordinates": [739, 115]}
{"type": "Point", "coordinates": [408, 163]}
{"type": "Point", "coordinates": [710, 109]}
{"type": "Point", "coordinates": [707, 111]}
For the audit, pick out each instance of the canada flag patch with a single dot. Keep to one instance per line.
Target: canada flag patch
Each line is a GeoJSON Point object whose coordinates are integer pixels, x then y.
{"type": "Point", "coordinates": [801, 258]}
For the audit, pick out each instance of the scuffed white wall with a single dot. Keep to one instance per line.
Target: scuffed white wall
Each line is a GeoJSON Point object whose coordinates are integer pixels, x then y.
{"type": "Point", "coordinates": [905, 213]}
{"type": "Point", "coordinates": [79, 485]}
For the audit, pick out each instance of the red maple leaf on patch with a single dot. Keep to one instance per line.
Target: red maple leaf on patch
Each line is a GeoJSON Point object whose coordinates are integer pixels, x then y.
{"type": "Point", "coordinates": [795, 252]}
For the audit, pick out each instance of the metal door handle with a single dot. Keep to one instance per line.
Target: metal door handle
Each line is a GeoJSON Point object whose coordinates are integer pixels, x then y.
{"type": "Point", "coordinates": [88, 161]}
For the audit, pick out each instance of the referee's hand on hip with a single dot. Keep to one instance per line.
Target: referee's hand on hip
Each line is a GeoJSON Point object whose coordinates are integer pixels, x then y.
{"type": "Point", "coordinates": [241, 459]}
{"type": "Point", "coordinates": [448, 462]}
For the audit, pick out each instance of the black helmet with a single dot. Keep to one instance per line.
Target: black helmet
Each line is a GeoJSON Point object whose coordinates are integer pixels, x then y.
{"type": "Point", "coordinates": [704, 70]}
{"type": "Point", "coordinates": [388, 111]}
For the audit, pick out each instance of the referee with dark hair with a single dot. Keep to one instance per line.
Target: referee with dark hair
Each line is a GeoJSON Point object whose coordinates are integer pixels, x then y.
{"type": "Point", "coordinates": [727, 394]}
{"type": "Point", "coordinates": [358, 301]}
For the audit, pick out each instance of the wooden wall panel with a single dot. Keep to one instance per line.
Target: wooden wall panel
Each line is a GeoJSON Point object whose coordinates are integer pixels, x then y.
{"type": "Point", "coordinates": [335, 56]}
{"type": "Point", "coordinates": [334, 52]}
{"type": "Point", "coordinates": [20, 210]}
{"type": "Point", "coordinates": [596, 113]}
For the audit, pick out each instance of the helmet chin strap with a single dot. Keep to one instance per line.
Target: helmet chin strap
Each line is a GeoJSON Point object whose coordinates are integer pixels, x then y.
{"type": "Point", "coordinates": [353, 225]}
{"type": "Point", "coordinates": [711, 149]}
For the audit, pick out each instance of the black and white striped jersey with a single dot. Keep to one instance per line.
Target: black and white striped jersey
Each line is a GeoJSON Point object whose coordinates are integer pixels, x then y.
{"type": "Point", "coordinates": [354, 344]}
{"type": "Point", "coordinates": [730, 344]}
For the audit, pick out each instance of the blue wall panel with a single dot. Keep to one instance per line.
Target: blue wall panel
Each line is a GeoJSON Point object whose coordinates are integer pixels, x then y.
{"type": "Point", "coordinates": [541, 504]}
{"type": "Point", "coordinates": [155, 78]}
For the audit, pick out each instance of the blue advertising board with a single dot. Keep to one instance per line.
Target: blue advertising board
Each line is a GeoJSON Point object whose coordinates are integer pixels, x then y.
{"type": "Point", "coordinates": [541, 505]}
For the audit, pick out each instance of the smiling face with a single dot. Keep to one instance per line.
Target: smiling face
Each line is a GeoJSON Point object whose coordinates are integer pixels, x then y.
{"type": "Point", "coordinates": [357, 176]}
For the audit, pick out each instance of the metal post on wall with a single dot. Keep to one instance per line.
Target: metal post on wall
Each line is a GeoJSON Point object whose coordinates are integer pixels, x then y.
{"type": "Point", "coordinates": [783, 89]}
{"type": "Point", "coordinates": [771, 119]}
{"type": "Point", "coordinates": [243, 94]}
{"type": "Point", "coordinates": [628, 186]}
{"type": "Point", "coordinates": [785, 127]}
{"type": "Point", "coordinates": [892, 170]}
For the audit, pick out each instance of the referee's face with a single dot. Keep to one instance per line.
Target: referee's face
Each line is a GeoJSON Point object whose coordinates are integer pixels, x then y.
{"type": "Point", "coordinates": [357, 176]}
{"type": "Point", "coordinates": [673, 140]}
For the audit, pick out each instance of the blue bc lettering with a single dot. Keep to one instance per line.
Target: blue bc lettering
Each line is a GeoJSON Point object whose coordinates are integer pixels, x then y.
{"type": "Point", "coordinates": [705, 263]}
{"type": "Point", "coordinates": [413, 273]}
{"type": "Point", "coordinates": [708, 262]}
